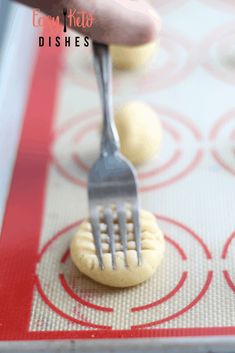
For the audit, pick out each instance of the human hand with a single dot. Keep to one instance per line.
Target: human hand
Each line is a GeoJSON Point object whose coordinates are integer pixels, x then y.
{"type": "Point", "coordinates": [128, 22]}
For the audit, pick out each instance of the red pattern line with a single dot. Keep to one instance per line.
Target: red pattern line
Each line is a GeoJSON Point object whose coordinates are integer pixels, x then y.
{"type": "Point", "coordinates": [220, 123]}
{"type": "Point", "coordinates": [177, 177]}
{"type": "Point", "coordinates": [66, 175]}
{"type": "Point", "coordinates": [80, 163]}
{"type": "Point", "coordinates": [229, 280]}
{"type": "Point", "coordinates": [138, 333]}
{"type": "Point", "coordinates": [24, 209]}
{"type": "Point", "coordinates": [166, 297]}
{"type": "Point", "coordinates": [182, 311]}
{"type": "Point", "coordinates": [181, 119]}
{"type": "Point", "coordinates": [227, 244]}
{"type": "Point", "coordinates": [91, 127]}
{"type": "Point", "coordinates": [61, 313]}
{"type": "Point", "coordinates": [161, 168]}
{"type": "Point", "coordinates": [74, 121]}
{"type": "Point", "coordinates": [218, 158]}
{"type": "Point", "coordinates": [177, 246]}
{"type": "Point", "coordinates": [190, 231]}
{"type": "Point", "coordinates": [65, 256]}
{"type": "Point", "coordinates": [57, 235]}
{"type": "Point", "coordinates": [79, 299]}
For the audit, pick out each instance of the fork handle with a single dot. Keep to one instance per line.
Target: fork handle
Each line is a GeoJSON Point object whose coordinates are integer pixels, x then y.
{"type": "Point", "coordinates": [103, 68]}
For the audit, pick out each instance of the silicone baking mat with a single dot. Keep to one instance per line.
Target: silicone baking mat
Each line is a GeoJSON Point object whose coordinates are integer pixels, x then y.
{"type": "Point", "coordinates": [190, 187]}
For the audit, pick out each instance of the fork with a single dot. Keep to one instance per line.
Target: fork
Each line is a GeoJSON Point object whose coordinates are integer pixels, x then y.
{"type": "Point", "coordinates": [65, 23]}
{"type": "Point", "coordinates": [112, 179]}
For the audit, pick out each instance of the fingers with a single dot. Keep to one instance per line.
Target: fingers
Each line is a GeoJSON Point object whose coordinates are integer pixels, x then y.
{"type": "Point", "coordinates": [128, 22]}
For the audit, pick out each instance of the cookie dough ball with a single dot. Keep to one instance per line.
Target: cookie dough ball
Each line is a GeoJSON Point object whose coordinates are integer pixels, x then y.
{"type": "Point", "coordinates": [140, 131]}
{"type": "Point", "coordinates": [84, 256]}
{"type": "Point", "coordinates": [132, 58]}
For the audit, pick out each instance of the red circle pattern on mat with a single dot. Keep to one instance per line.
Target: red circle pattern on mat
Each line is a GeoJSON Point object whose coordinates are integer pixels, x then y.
{"type": "Point", "coordinates": [73, 154]}
{"type": "Point", "coordinates": [80, 300]}
{"type": "Point", "coordinates": [171, 63]}
{"type": "Point", "coordinates": [228, 251]}
{"type": "Point", "coordinates": [219, 53]}
{"type": "Point", "coordinates": [222, 135]}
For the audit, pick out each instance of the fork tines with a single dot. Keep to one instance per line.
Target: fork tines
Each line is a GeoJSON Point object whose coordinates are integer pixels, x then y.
{"type": "Point", "coordinates": [109, 215]}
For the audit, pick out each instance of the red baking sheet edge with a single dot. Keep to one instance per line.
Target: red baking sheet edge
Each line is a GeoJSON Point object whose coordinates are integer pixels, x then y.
{"type": "Point", "coordinates": [23, 219]}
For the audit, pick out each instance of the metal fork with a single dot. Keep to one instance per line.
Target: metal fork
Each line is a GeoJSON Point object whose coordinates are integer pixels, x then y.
{"type": "Point", "coordinates": [112, 179]}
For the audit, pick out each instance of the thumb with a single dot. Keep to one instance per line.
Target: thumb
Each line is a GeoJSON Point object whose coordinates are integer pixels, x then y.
{"type": "Point", "coordinates": [125, 22]}
{"type": "Point", "coordinates": [129, 22]}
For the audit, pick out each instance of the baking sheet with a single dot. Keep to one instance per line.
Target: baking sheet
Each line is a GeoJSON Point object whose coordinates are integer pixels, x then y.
{"type": "Point", "coordinates": [190, 188]}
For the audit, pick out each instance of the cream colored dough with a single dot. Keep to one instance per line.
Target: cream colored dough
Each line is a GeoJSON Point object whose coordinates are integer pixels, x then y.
{"type": "Point", "coordinates": [153, 244]}
{"type": "Point", "coordinates": [133, 58]}
{"type": "Point", "coordinates": [140, 131]}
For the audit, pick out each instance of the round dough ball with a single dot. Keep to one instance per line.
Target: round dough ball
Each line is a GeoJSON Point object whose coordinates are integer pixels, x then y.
{"type": "Point", "coordinates": [140, 131]}
{"type": "Point", "coordinates": [84, 256]}
{"type": "Point", "coordinates": [132, 57]}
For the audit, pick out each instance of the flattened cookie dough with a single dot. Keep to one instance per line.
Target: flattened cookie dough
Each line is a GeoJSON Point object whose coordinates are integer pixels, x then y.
{"type": "Point", "coordinates": [132, 57]}
{"type": "Point", "coordinates": [153, 245]}
{"type": "Point", "coordinates": [140, 131]}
